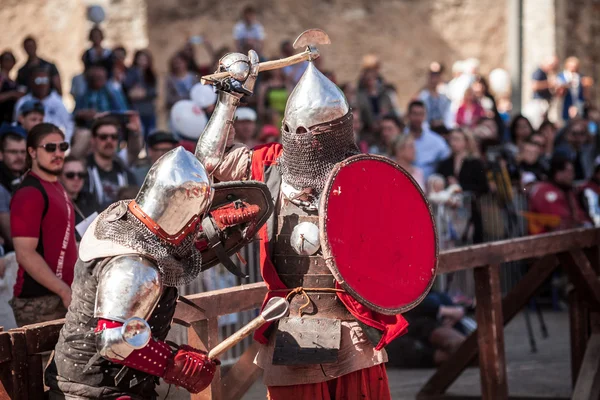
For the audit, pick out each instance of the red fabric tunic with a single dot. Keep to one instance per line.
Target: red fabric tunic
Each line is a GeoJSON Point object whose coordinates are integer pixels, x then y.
{"type": "Point", "coordinates": [548, 199]}
{"type": "Point", "coordinates": [392, 326]}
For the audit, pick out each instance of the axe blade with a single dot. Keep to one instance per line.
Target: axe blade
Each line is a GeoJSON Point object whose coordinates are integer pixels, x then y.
{"type": "Point", "coordinates": [311, 37]}
{"type": "Point", "coordinates": [276, 308]}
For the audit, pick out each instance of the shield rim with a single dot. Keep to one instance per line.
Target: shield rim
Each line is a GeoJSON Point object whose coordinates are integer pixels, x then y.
{"type": "Point", "coordinates": [324, 238]}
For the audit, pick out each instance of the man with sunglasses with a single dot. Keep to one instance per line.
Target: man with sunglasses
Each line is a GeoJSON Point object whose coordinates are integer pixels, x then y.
{"type": "Point", "coordinates": [73, 178]}
{"type": "Point", "coordinates": [43, 230]}
{"type": "Point", "coordinates": [107, 173]}
{"type": "Point", "coordinates": [55, 111]}
{"type": "Point", "coordinates": [159, 143]}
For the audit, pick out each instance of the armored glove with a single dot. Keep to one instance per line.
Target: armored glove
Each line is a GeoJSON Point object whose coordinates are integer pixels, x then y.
{"type": "Point", "coordinates": [235, 213]}
{"type": "Point", "coordinates": [243, 70]}
{"type": "Point", "coordinates": [191, 369]}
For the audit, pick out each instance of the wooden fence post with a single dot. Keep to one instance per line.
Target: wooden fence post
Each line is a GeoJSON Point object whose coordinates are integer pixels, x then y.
{"type": "Point", "coordinates": [593, 255]}
{"type": "Point", "coordinates": [579, 323]}
{"type": "Point", "coordinates": [18, 365]}
{"type": "Point", "coordinates": [490, 337]}
{"type": "Point", "coordinates": [204, 335]}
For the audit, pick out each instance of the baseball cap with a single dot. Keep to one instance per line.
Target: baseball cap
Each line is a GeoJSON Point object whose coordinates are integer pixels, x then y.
{"type": "Point", "coordinates": [31, 106]}
{"type": "Point", "coordinates": [8, 128]}
{"type": "Point", "coordinates": [268, 131]}
{"type": "Point", "coordinates": [245, 114]}
{"type": "Point", "coordinates": [161, 137]}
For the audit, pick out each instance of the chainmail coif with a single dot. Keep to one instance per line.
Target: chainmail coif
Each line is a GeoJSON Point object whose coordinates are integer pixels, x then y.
{"type": "Point", "coordinates": [309, 157]}
{"type": "Point", "coordinates": [178, 265]}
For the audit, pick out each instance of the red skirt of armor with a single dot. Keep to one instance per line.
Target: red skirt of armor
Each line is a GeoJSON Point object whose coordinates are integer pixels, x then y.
{"type": "Point", "coordinates": [365, 384]}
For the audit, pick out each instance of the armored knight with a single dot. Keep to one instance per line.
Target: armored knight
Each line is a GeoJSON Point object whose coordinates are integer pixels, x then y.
{"type": "Point", "coordinates": [330, 346]}
{"type": "Point", "coordinates": [131, 260]}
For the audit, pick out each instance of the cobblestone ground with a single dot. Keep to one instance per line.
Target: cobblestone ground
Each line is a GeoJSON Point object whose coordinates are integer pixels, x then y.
{"type": "Point", "coordinates": [545, 373]}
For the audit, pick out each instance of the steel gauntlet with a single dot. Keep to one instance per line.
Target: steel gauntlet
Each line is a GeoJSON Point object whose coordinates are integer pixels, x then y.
{"type": "Point", "coordinates": [213, 141]}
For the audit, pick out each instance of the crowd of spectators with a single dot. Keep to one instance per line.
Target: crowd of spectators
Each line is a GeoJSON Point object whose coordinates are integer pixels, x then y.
{"type": "Point", "coordinates": [58, 169]}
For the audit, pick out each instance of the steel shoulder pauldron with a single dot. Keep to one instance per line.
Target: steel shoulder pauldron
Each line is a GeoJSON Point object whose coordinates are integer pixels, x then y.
{"type": "Point", "coordinates": [129, 287]}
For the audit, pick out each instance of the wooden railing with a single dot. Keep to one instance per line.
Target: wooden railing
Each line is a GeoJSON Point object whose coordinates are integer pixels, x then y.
{"type": "Point", "coordinates": [577, 251]}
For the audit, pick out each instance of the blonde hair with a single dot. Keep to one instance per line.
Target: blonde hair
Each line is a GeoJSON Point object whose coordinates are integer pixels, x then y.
{"type": "Point", "coordinates": [571, 60]}
{"type": "Point", "coordinates": [402, 140]}
{"type": "Point", "coordinates": [471, 143]}
{"type": "Point", "coordinates": [433, 179]}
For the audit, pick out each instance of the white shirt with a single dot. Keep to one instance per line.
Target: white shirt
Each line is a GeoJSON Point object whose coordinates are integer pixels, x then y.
{"type": "Point", "coordinates": [55, 112]}
{"type": "Point", "coordinates": [431, 149]}
{"type": "Point", "coordinates": [242, 31]}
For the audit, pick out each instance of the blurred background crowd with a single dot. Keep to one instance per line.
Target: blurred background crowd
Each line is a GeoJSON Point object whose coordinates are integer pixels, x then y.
{"type": "Point", "coordinates": [489, 171]}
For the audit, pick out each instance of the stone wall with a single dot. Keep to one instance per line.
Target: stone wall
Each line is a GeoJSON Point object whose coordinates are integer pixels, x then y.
{"type": "Point", "coordinates": [58, 26]}
{"type": "Point", "coordinates": [407, 35]}
{"type": "Point", "coordinates": [61, 30]}
{"type": "Point", "coordinates": [539, 38]}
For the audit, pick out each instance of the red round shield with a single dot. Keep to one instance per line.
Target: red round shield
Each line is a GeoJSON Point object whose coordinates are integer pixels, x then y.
{"type": "Point", "coordinates": [378, 234]}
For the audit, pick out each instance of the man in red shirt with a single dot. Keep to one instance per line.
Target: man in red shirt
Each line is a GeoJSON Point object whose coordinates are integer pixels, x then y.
{"type": "Point", "coordinates": [554, 203]}
{"type": "Point", "coordinates": [42, 222]}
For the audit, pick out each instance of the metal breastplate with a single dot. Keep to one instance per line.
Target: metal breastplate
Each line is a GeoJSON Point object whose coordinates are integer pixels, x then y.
{"type": "Point", "coordinates": [311, 333]}
{"type": "Point", "coordinates": [77, 344]}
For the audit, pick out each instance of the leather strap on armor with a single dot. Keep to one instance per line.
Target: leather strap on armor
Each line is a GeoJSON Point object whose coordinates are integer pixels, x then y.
{"type": "Point", "coordinates": [214, 242]}
{"type": "Point", "coordinates": [187, 367]}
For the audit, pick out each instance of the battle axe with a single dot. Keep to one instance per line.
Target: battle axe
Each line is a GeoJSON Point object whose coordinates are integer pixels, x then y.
{"type": "Point", "coordinates": [276, 308]}
{"type": "Point", "coordinates": [308, 39]}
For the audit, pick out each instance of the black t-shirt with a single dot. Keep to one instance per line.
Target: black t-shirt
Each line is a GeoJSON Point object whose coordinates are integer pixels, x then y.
{"type": "Point", "coordinates": [26, 70]}
{"type": "Point", "coordinates": [105, 185]}
{"type": "Point", "coordinates": [537, 169]}
{"type": "Point", "coordinates": [7, 107]}
{"type": "Point", "coordinates": [540, 76]}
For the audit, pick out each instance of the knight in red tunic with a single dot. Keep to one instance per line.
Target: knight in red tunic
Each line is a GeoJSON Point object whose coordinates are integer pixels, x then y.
{"type": "Point", "coordinates": [331, 346]}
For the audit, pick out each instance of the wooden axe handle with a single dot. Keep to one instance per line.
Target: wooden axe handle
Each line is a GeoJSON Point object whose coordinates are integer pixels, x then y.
{"type": "Point", "coordinates": [263, 66]}
{"type": "Point", "coordinates": [236, 337]}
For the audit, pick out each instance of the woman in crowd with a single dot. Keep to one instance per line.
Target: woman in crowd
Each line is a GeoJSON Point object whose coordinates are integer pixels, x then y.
{"type": "Point", "coordinates": [406, 153]}
{"type": "Point", "coordinates": [118, 72]}
{"type": "Point", "coordinates": [72, 178]}
{"type": "Point", "coordinates": [140, 86]}
{"type": "Point", "coordinates": [486, 99]}
{"type": "Point", "coordinates": [373, 99]}
{"type": "Point", "coordinates": [465, 168]}
{"type": "Point", "coordinates": [97, 54]}
{"type": "Point", "coordinates": [470, 111]}
{"type": "Point", "coordinates": [548, 130]}
{"type": "Point", "coordinates": [9, 93]}
{"type": "Point", "coordinates": [520, 130]}
{"type": "Point", "coordinates": [179, 81]}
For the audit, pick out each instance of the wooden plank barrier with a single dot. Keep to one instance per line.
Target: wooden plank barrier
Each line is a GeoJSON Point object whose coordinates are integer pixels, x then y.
{"type": "Point", "coordinates": [576, 250]}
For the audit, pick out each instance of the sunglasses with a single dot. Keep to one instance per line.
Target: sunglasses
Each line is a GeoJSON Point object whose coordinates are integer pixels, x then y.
{"type": "Point", "coordinates": [104, 137]}
{"type": "Point", "coordinates": [51, 147]}
{"type": "Point", "coordinates": [41, 80]}
{"type": "Point", "coordinates": [72, 175]}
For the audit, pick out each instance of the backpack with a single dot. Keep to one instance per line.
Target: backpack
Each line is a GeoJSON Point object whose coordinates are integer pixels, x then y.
{"type": "Point", "coordinates": [31, 181]}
